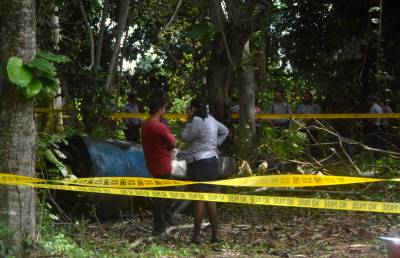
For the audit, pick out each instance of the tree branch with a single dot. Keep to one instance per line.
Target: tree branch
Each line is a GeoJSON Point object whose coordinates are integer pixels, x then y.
{"type": "Point", "coordinates": [172, 17]}
{"type": "Point", "coordinates": [123, 16]}
{"type": "Point", "coordinates": [101, 35]}
{"type": "Point", "coordinates": [221, 28]}
{"type": "Point", "coordinates": [90, 34]}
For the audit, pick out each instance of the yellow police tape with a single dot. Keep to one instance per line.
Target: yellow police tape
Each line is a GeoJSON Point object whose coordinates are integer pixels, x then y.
{"type": "Point", "coordinates": [236, 116]}
{"type": "Point", "coordinates": [270, 116]}
{"type": "Point", "coordinates": [254, 181]}
{"type": "Point", "coordinates": [119, 187]}
{"type": "Point", "coordinates": [332, 204]}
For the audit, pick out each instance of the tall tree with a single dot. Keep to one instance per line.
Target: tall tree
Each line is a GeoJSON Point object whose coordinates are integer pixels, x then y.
{"type": "Point", "coordinates": [247, 90]}
{"type": "Point", "coordinates": [232, 20]}
{"type": "Point", "coordinates": [18, 136]}
{"type": "Point", "coordinates": [123, 16]}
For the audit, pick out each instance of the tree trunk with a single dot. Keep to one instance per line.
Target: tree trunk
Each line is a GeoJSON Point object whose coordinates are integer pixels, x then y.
{"type": "Point", "coordinates": [57, 101]}
{"type": "Point", "coordinates": [218, 80]}
{"type": "Point", "coordinates": [247, 130]}
{"type": "Point", "coordinates": [55, 122]}
{"type": "Point", "coordinates": [90, 31]}
{"type": "Point", "coordinates": [18, 136]}
{"type": "Point", "coordinates": [221, 76]}
{"type": "Point", "coordinates": [101, 35]}
{"type": "Point", "coordinates": [224, 65]}
{"type": "Point", "coordinates": [123, 16]}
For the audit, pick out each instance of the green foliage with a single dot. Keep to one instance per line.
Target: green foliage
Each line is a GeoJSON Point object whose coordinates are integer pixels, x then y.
{"type": "Point", "coordinates": [32, 89]}
{"type": "Point", "coordinates": [49, 157]}
{"type": "Point", "coordinates": [179, 104]}
{"type": "Point", "coordinates": [383, 166]}
{"type": "Point", "coordinates": [6, 250]}
{"type": "Point", "coordinates": [284, 145]}
{"type": "Point", "coordinates": [164, 251]}
{"type": "Point", "coordinates": [18, 74]}
{"type": "Point", "coordinates": [59, 243]}
{"type": "Point", "coordinates": [53, 57]}
{"type": "Point", "coordinates": [73, 240]}
{"type": "Point", "coordinates": [37, 77]}
{"type": "Point", "coordinates": [202, 32]}
{"type": "Point", "coordinates": [42, 65]}
{"type": "Point", "coordinates": [56, 242]}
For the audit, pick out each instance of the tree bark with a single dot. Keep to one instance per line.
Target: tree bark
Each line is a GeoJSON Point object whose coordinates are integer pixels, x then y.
{"type": "Point", "coordinates": [18, 136]}
{"type": "Point", "coordinates": [224, 64]}
{"type": "Point", "coordinates": [90, 31]}
{"type": "Point", "coordinates": [247, 130]}
{"type": "Point", "coordinates": [55, 122]}
{"type": "Point", "coordinates": [264, 16]}
{"type": "Point", "coordinates": [123, 16]}
{"type": "Point", "coordinates": [101, 35]}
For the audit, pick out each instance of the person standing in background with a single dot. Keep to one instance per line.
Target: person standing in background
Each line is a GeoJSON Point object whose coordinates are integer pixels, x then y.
{"type": "Point", "coordinates": [308, 107]}
{"type": "Point", "coordinates": [132, 130]}
{"type": "Point", "coordinates": [386, 109]}
{"type": "Point", "coordinates": [385, 124]}
{"type": "Point", "coordinates": [204, 134]}
{"type": "Point", "coordinates": [280, 106]}
{"type": "Point", "coordinates": [158, 142]}
{"type": "Point", "coordinates": [374, 124]}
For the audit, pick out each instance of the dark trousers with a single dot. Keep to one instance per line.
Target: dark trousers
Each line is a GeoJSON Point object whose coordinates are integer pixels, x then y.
{"type": "Point", "coordinates": [161, 210]}
{"type": "Point", "coordinates": [132, 133]}
{"type": "Point", "coordinates": [374, 136]}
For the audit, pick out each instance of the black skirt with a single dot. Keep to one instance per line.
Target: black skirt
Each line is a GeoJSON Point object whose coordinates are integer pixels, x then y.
{"type": "Point", "coordinates": [203, 170]}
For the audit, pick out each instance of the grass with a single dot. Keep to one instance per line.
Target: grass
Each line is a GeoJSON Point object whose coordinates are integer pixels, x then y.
{"type": "Point", "coordinates": [249, 231]}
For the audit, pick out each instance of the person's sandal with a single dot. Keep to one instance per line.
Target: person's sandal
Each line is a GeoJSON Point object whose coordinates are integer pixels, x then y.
{"type": "Point", "coordinates": [196, 240]}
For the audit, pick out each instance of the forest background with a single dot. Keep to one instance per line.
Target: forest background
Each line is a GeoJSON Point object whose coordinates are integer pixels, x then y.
{"type": "Point", "coordinates": [341, 51]}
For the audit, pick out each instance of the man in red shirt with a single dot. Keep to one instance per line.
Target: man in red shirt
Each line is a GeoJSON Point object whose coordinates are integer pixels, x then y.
{"type": "Point", "coordinates": [158, 141]}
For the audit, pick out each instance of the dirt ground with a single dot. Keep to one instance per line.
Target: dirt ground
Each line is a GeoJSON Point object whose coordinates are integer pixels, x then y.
{"type": "Point", "coordinates": [256, 231]}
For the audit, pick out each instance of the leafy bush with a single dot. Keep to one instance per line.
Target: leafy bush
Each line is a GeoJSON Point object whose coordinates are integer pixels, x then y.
{"type": "Point", "coordinates": [49, 164]}
{"type": "Point", "coordinates": [37, 77]}
{"type": "Point", "coordinates": [6, 233]}
{"type": "Point", "coordinates": [285, 144]}
{"type": "Point", "coordinates": [385, 165]}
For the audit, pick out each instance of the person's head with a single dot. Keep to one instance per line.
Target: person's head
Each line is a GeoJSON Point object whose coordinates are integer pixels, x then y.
{"type": "Point", "coordinates": [199, 108]}
{"type": "Point", "coordinates": [132, 98]}
{"type": "Point", "coordinates": [372, 100]}
{"type": "Point", "coordinates": [279, 95]}
{"type": "Point", "coordinates": [234, 100]}
{"type": "Point", "coordinates": [307, 98]}
{"type": "Point", "coordinates": [160, 93]}
{"type": "Point", "coordinates": [157, 107]}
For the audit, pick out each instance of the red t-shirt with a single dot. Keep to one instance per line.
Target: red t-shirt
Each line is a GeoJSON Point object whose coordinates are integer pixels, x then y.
{"type": "Point", "coordinates": [158, 141]}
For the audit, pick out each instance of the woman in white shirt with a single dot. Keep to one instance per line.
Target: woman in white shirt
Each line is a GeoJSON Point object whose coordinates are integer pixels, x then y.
{"type": "Point", "coordinates": [204, 134]}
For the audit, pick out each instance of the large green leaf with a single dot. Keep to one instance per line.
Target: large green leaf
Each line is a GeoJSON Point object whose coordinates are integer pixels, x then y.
{"type": "Point", "coordinates": [53, 57]}
{"type": "Point", "coordinates": [47, 79]}
{"type": "Point", "coordinates": [17, 73]}
{"type": "Point", "coordinates": [50, 87]}
{"type": "Point", "coordinates": [43, 65]}
{"type": "Point", "coordinates": [200, 30]}
{"type": "Point", "coordinates": [51, 83]}
{"type": "Point", "coordinates": [32, 89]}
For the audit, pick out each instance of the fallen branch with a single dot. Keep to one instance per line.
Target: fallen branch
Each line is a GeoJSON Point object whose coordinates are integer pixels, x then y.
{"type": "Point", "coordinates": [136, 243]}
{"type": "Point", "coordinates": [187, 226]}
